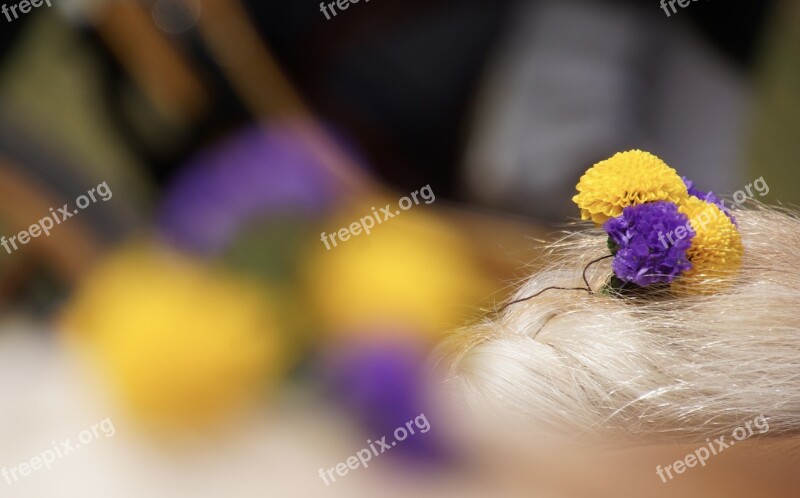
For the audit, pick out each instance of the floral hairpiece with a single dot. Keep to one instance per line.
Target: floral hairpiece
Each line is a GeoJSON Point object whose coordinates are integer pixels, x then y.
{"type": "Point", "coordinates": [661, 230]}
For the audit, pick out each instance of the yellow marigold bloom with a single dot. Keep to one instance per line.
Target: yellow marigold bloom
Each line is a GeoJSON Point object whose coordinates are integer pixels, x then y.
{"type": "Point", "coordinates": [414, 272]}
{"type": "Point", "coordinates": [183, 346]}
{"type": "Point", "coordinates": [627, 178]}
{"type": "Point", "coordinates": [716, 250]}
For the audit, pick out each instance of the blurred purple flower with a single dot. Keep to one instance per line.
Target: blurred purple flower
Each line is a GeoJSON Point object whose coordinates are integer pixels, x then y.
{"type": "Point", "coordinates": [257, 172]}
{"type": "Point", "coordinates": [645, 254]}
{"type": "Point", "coordinates": [384, 383]}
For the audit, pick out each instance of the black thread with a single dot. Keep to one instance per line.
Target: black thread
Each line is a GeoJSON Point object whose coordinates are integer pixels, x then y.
{"type": "Point", "coordinates": [588, 287]}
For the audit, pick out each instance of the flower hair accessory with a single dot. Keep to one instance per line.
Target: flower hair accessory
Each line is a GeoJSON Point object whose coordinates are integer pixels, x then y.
{"type": "Point", "coordinates": [661, 230]}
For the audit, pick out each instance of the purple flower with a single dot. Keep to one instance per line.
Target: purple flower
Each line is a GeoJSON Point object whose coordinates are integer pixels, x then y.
{"type": "Point", "coordinates": [710, 197]}
{"type": "Point", "coordinates": [257, 172]}
{"type": "Point", "coordinates": [385, 383]}
{"type": "Point", "coordinates": [648, 249]}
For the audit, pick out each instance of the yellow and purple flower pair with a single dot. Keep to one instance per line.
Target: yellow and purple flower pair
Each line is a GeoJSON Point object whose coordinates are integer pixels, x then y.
{"type": "Point", "coordinates": [661, 229]}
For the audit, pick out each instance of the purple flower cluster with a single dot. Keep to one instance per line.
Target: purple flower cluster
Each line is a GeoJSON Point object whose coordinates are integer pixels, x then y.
{"type": "Point", "coordinates": [256, 172]}
{"type": "Point", "coordinates": [641, 257]}
{"type": "Point", "coordinates": [709, 197]}
{"type": "Point", "coordinates": [384, 383]}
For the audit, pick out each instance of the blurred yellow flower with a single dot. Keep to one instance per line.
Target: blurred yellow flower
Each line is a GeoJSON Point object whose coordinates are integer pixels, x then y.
{"type": "Point", "coordinates": [411, 273]}
{"type": "Point", "coordinates": [632, 177]}
{"type": "Point", "coordinates": [181, 344]}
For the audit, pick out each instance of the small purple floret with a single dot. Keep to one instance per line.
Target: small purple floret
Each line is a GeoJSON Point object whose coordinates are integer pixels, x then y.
{"type": "Point", "coordinates": [648, 249]}
{"type": "Point", "coordinates": [710, 197]}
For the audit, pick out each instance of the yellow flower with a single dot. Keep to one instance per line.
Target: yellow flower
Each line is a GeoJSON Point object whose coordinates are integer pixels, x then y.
{"type": "Point", "coordinates": [716, 250]}
{"type": "Point", "coordinates": [413, 272]}
{"type": "Point", "coordinates": [180, 344]}
{"type": "Point", "coordinates": [627, 178]}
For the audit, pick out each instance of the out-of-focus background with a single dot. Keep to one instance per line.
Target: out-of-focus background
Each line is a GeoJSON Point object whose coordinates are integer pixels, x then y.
{"type": "Point", "coordinates": [233, 230]}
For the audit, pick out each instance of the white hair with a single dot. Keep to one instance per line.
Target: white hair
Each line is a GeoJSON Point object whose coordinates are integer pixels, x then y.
{"type": "Point", "coordinates": [665, 367]}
